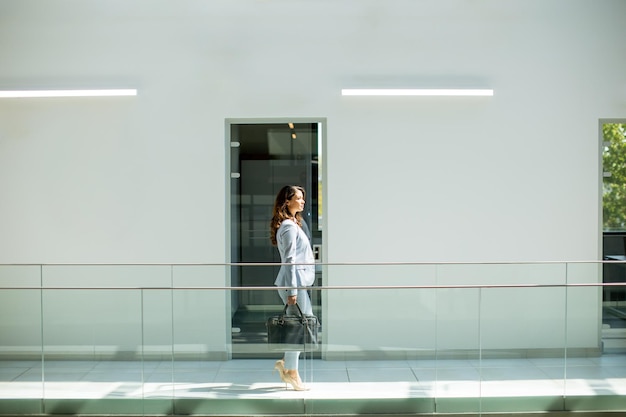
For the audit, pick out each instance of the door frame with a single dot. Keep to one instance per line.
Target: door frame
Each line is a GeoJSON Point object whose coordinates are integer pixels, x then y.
{"type": "Point", "coordinates": [615, 333]}
{"type": "Point", "coordinates": [322, 171]}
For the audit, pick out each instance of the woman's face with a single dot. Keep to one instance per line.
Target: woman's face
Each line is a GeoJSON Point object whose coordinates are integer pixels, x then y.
{"type": "Point", "coordinates": [296, 204]}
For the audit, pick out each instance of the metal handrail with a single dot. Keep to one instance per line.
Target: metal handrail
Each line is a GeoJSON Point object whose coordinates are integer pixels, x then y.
{"type": "Point", "coordinates": [351, 263]}
{"type": "Point", "coordinates": [329, 287]}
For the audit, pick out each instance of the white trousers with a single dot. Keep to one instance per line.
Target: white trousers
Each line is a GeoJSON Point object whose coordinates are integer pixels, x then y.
{"type": "Point", "coordinates": [292, 358]}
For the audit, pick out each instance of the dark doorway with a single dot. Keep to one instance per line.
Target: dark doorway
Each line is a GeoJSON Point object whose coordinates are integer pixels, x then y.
{"type": "Point", "coordinates": [264, 157]}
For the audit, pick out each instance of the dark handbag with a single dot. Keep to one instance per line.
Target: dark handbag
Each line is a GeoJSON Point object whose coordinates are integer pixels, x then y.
{"type": "Point", "coordinates": [292, 332]}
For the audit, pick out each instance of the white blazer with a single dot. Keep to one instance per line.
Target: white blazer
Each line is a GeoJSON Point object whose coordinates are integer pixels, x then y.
{"type": "Point", "coordinates": [294, 247]}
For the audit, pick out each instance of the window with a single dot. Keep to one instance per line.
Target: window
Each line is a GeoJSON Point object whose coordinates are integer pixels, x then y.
{"type": "Point", "coordinates": [614, 177]}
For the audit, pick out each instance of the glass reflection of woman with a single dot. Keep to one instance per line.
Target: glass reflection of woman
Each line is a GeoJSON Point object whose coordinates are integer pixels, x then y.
{"type": "Point", "coordinates": [294, 246]}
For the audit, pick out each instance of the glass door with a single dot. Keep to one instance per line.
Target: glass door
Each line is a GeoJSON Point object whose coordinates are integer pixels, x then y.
{"type": "Point", "coordinates": [614, 223]}
{"type": "Point", "coordinates": [264, 157]}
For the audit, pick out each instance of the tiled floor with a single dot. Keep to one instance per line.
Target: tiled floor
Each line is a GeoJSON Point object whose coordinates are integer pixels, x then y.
{"type": "Point", "coordinates": [249, 379]}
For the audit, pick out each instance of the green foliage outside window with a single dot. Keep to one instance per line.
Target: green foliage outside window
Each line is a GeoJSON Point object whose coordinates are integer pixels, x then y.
{"type": "Point", "coordinates": [614, 167]}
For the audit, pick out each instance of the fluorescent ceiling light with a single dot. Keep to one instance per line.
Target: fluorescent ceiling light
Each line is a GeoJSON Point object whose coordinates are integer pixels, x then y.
{"type": "Point", "coordinates": [67, 93]}
{"type": "Point", "coordinates": [451, 92]}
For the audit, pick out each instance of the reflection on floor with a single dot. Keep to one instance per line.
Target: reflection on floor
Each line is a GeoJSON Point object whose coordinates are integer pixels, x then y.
{"type": "Point", "coordinates": [468, 380]}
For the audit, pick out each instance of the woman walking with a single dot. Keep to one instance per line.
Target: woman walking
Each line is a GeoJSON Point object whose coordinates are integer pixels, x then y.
{"type": "Point", "coordinates": [298, 269]}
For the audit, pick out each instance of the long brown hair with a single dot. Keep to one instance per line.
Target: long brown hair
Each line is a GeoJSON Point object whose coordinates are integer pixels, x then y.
{"type": "Point", "coordinates": [281, 212]}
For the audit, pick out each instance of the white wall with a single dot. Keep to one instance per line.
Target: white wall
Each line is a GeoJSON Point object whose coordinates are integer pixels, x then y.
{"type": "Point", "coordinates": [514, 177]}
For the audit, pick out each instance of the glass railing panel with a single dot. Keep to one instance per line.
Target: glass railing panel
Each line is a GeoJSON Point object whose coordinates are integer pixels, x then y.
{"type": "Point", "coordinates": [612, 362]}
{"type": "Point", "coordinates": [596, 341]}
{"type": "Point", "coordinates": [379, 335]}
{"type": "Point", "coordinates": [511, 329]}
{"type": "Point", "coordinates": [359, 317]}
{"type": "Point", "coordinates": [201, 333]}
{"type": "Point", "coordinates": [457, 381]}
{"type": "Point", "coordinates": [201, 309]}
{"type": "Point", "coordinates": [92, 347]}
{"type": "Point", "coordinates": [379, 346]}
{"type": "Point", "coordinates": [614, 319]}
{"type": "Point", "coordinates": [613, 294]}
{"type": "Point", "coordinates": [94, 317]}
{"type": "Point", "coordinates": [157, 364]}
{"type": "Point", "coordinates": [523, 355]}
{"type": "Point", "coordinates": [401, 338]}
{"type": "Point", "coordinates": [21, 376]}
